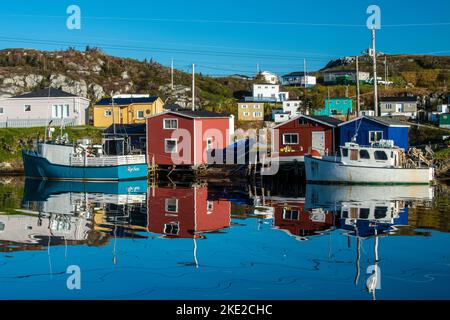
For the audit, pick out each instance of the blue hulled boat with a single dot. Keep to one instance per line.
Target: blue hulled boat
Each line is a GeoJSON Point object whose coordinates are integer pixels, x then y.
{"type": "Point", "coordinates": [62, 161]}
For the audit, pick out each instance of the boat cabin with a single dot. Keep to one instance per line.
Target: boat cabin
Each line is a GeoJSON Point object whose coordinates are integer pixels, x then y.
{"type": "Point", "coordinates": [384, 154]}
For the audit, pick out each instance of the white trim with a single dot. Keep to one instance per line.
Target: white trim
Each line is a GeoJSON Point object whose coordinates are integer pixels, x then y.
{"type": "Point", "coordinates": [170, 119]}
{"type": "Point", "coordinates": [176, 145]}
{"type": "Point", "coordinates": [306, 117]}
{"type": "Point", "coordinates": [166, 202]}
{"type": "Point", "coordinates": [294, 134]}
{"type": "Point", "coordinates": [377, 121]}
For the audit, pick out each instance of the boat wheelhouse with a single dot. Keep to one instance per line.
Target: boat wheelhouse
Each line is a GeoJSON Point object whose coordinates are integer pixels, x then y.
{"type": "Point", "coordinates": [380, 163]}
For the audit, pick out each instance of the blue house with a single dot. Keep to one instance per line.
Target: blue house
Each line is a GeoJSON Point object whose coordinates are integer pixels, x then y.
{"type": "Point", "coordinates": [336, 106]}
{"type": "Point", "coordinates": [372, 129]}
{"type": "Point", "coordinates": [276, 111]}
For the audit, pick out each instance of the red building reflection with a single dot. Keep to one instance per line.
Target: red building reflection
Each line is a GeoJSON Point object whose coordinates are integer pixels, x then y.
{"type": "Point", "coordinates": [185, 212]}
{"type": "Point", "coordinates": [291, 216]}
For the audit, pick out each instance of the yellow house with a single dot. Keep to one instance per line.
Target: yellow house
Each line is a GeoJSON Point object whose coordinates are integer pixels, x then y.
{"type": "Point", "coordinates": [125, 110]}
{"type": "Point", "coordinates": [250, 111]}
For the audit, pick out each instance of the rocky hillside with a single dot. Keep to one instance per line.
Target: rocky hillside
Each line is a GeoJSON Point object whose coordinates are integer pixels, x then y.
{"type": "Point", "coordinates": [412, 70]}
{"type": "Point", "coordinates": [93, 74]}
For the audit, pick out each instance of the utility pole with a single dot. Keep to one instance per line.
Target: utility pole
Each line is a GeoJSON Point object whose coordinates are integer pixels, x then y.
{"type": "Point", "coordinates": [358, 101]}
{"type": "Point", "coordinates": [171, 74]}
{"type": "Point", "coordinates": [375, 79]}
{"type": "Point", "coordinates": [113, 119]}
{"type": "Point", "coordinates": [304, 81]}
{"type": "Point", "coordinates": [193, 87]}
{"type": "Point", "coordinates": [257, 68]}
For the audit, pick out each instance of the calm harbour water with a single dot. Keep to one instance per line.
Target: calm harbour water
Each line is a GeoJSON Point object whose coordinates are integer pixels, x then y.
{"type": "Point", "coordinates": [205, 241]}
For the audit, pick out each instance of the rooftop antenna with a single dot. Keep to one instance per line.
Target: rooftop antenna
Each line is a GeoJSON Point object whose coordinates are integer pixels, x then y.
{"type": "Point", "coordinates": [193, 87]}
{"type": "Point", "coordinates": [358, 101]}
{"type": "Point", "coordinates": [375, 79]}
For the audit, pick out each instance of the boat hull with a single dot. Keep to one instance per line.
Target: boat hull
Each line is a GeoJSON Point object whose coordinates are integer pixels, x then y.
{"type": "Point", "coordinates": [327, 171]}
{"type": "Point", "coordinates": [40, 168]}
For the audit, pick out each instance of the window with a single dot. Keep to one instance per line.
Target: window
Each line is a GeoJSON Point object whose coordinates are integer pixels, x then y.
{"type": "Point", "coordinates": [344, 152]}
{"type": "Point", "coordinates": [170, 146]}
{"type": "Point", "coordinates": [209, 206]}
{"type": "Point", "coordinates": [380, 155]}
{"type": "Point", "coordinates": [345, 101]}
{"type": "Point", "coordinates": [290, 138]}
{"type": "Point", "coordinates": [170, 123]}
{"type": "Point", "coordinates": [171, 205]}
{"type": "Point", "coordinates": [338, 102]}
{"type": "Point", "coordinates": [66, 111]}
{"type": "Point", "coordinates": [171, 228]}
{"type": "Point", "coordinates": [27, 108]}
{"type": "Point", "coordinates": [380, 212]}
{"type": "Point", "coordinates": [1, 110]}
{"type": "Point", "coordinates": [288, 104]}
{"type": "Point", "coordinates": [244, 106]}
{"type": "Point", "coordinates": [246, 114]}
{"type": "Point", "coordinates": [333, 111]}
{"type": "Point", "coordinates": [364, 154]}
{"type": "Point", "coordinates": [375, 136]}
{"type": "Point", "coordinates": [108, 113]}
{"type": "Point", "coordinates": [289, 214]}
{"type": "Point", "coordinates": [257, 114]}
{"type": "Point", "coordinates": [140, 114]}
{"type": "Point", "coordinates": [257, 106]}
{"type": "Point", "coordinates": [364, 213]}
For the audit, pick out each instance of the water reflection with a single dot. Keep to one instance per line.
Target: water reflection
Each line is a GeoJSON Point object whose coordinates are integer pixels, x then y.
{"type": "Point", "coordinates": [210, 220]}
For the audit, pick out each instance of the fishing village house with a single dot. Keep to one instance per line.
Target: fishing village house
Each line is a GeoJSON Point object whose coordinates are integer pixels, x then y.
{"type": "Point", "coordinates": [292, 107]}
{"type": "Point", "coordinates": [184, 212]}
{"type": "Point", "coordinates": [38, 108]}
{"type": "Point", "coordinates": [266, 92]}
{"type": "Point", "coordinates": [250, 111]}
{"type": "Point", "coordinates": [368, 130]}
{"type": "Point", "coordinates": [398, 106]}
{"type": "Point", "coordinates": [298, 79]}
{"type": "Point", "coordinates": [184, 137]}
{"type": "Point", "coordinates": [336, 106]}
{"type": "Point", "coordinates": [299, 136]}
{"type": "Point", "coordinates": [345, 77]}
{"type": "Point", "coordinates": [269, 77]}
{"type": "Point", "coordinates": [125, 109]}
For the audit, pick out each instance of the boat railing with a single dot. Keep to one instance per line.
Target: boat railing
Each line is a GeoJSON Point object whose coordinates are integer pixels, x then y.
{"type": "Point", "coordinates": [107, 161]}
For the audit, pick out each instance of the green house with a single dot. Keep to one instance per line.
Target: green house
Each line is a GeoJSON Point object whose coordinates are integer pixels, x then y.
{"type": "Point", "coordinates": [336, 106]}
{"type": "Point", "coordinates": [444, 120]}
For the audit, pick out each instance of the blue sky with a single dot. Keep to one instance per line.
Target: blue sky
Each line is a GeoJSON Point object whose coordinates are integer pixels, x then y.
{"type": "Point", "coordinates": [225, 37]}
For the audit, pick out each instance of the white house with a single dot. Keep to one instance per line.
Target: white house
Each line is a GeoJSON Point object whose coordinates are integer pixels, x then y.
{"type": "Point", "coordinates": [37, 108]}
{"type": "Point", "coordinates": [443, 108]}
{"type": "Point", "coordinates": [281, 117]}
{"type": "Point", "coordinates": [292, 107]}
{"type": "Point", "coordinates": [269, 77]}
{"type": "Point", "coordinates": [269, 92]}
{"type": "Point", "coordinates": [298, 79]}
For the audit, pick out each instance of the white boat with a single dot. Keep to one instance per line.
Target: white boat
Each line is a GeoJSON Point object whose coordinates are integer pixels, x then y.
{"type": "Point", "coordinates": [381, 163]}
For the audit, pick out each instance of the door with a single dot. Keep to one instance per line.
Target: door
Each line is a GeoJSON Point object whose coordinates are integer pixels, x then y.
{"type": "Point", "coordinates": [318, 141]}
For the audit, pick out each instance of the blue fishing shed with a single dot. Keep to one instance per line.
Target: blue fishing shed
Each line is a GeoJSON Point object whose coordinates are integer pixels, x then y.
{"type": "Point", "coordinates": [372, 129]}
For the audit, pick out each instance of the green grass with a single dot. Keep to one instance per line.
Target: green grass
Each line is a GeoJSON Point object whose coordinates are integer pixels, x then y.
{"type": "Point", "coordinates": [10, 149]}
{"type": "Point", "coordinates": [442, 154]}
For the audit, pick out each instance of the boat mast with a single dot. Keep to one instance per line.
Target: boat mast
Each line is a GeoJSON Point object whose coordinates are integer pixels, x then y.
{"type": "Point", "coordinates": [375, 79]}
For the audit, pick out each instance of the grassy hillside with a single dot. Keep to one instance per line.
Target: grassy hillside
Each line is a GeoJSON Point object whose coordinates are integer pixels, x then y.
{"type": "Point", "coordinates": [10, 148]}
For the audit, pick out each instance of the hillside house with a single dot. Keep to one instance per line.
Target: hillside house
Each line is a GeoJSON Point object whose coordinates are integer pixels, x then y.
{"type": "Point", "coordinates": [336, 106]}
{"type": "Point", "coordinates": [37, 108]}
{"type": "Point", "coordinates": [125, 110]}
{"type": "Point", "coordinates": [298, 79]}
{"type": "Point", "coordinates": [398, 106]}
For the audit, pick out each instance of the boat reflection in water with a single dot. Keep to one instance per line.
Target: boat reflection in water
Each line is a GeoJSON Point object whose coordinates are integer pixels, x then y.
{"type": "Point", "coordinates": [365, 212]}
{"type": "Point", "coordinates": [71, 213]}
